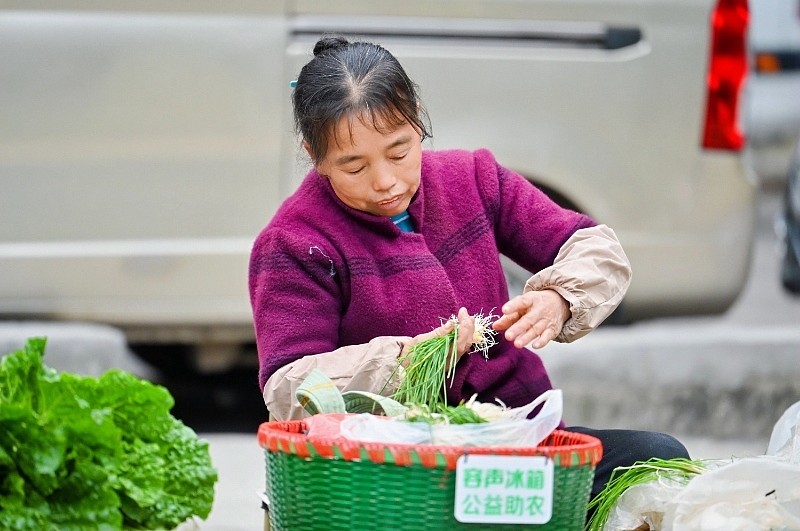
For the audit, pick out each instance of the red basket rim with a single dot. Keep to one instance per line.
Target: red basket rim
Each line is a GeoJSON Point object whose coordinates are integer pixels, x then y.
{"type": "Point", "coordinates": [565, 447]}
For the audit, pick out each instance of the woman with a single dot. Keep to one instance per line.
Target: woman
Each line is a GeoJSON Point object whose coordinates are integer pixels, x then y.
{"type": "Point", "coordinates": [382, 240]}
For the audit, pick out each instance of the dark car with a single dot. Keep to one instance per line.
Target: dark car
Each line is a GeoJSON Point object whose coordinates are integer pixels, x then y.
{"type": "Point", "coordinates": [790, 272]}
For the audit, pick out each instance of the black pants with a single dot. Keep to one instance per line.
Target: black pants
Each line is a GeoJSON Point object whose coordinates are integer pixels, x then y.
{"type": "Point", "coordinates": [625, 447]}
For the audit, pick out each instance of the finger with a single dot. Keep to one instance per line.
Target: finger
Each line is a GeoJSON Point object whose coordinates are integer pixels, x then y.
{"type": "Point", "coordinates": [463, 315]}
{"type": "Point", "coordinates": [536, 337]}
{"type": "Point", "coordinates": [522, 335]}
{"type": "Point", "coordinates": [513, 311]}
{"type": "Point", "coordinates": [441, 331]}
{"type": "Point", "coordinates": [505, 321]}
{"type": "Point", "coordinates": [519, 304]}
{"type": "Point", "coordinates": [546, 337]}
{"type": "Point", "coordinates": [525, 323]}
{"type": "Point", "coordinates": [466, 331]}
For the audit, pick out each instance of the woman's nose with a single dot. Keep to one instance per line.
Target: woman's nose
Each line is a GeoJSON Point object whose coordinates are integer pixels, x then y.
{"type": "Point", "coordinates": [384, 178]}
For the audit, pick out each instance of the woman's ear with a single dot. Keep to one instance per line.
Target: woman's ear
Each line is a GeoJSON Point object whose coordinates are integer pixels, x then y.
{"type": "Point", "coordinates": [307, 147]}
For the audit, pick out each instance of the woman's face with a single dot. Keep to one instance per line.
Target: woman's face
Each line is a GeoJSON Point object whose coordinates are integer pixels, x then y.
{"type": "Point", "coordinates": [376, 171]}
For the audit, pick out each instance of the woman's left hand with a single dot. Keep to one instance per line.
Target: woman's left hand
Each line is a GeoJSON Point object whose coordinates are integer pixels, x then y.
{"type": "Point", "coordinates": [466, 329]}
{"type": "Point", "coordinates": [535, 318]}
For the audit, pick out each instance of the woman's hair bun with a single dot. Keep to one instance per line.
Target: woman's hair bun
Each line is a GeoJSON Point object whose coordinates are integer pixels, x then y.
{"type": "Point", "coordinates": [329, 42]}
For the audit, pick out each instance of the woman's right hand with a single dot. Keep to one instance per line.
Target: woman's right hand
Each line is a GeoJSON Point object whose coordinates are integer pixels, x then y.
{"type": "Point", "coordinates": [466, 329]}
{"type": "Point", "coordinates": [535, 318]}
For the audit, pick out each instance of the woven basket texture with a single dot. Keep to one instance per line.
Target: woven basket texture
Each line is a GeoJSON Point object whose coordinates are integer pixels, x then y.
{"type": "Point", "coordinates": [344, 485]}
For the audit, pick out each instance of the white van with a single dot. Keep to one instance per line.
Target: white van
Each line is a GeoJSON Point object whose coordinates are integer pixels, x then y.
{"type": "Point", "coordinates": [772, 110]}
{"type": "Point", "coordinates": [144, 145]}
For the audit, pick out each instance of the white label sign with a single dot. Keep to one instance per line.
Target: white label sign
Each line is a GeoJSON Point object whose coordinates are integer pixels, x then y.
{"type": "Point", "coordinates": [504, 489]}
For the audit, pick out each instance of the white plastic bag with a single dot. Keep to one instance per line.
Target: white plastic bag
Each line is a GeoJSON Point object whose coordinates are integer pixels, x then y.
{"type": "Point", "coordinates": [513, 431]}
{"type": "Point", "coordinates": [644, 503]}
{"type": "Point", "coordinates": [746, 494]}
{"type": "Point", "coordinates": [784, 442]}
{"type": "Point", "coordinates": [750, 494]}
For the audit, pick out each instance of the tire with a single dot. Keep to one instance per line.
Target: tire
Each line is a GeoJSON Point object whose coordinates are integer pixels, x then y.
{"type": "Point", "coordinates": [790, 270]}
{"type": "Point", "coordinates": [172, 359]}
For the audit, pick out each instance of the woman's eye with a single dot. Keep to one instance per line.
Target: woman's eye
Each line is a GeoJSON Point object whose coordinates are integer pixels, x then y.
{"type": "Point", "coordinates": [354, 171]}
{"type": "Point", "coordinates": [398, 157]}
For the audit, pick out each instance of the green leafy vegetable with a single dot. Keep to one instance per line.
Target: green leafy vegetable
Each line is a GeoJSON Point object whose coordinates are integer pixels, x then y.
{"type": "Point", "coordinates": [80, 452]}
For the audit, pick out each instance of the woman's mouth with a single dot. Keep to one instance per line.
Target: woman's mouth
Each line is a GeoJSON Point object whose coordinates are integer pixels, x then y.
{"type": "Point", "coordinates": [390, 203]}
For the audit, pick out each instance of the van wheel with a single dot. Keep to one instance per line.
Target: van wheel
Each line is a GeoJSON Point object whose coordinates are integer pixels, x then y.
{"type": "Point", "coordinates": [174, 359]}
{"type": "Point", "coordinates": [170, 359]}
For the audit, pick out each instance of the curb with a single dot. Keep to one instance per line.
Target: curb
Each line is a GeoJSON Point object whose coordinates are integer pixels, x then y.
{"type": "Point", "coordinates": [87, 349]}
{"type": "Point", "coordinates": [691, 379]}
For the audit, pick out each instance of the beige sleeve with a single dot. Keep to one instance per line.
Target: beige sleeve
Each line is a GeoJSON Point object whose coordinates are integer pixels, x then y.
{"type": "Point", "coordinates": [366, 367]}
{"type": "Point", "coordinates": [592, 272]}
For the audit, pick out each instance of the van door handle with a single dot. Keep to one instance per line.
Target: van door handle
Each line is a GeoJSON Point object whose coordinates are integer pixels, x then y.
{"type": "Point", "coordinates": [432, 31]}
{"type": "Point", "coordinates": [621, 37]}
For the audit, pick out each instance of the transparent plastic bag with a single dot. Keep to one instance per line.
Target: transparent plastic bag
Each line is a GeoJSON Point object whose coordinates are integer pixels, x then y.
{"type": "Point", "coordinates": [784, 443]}
{"type": "Point", "coordinates": [748, 494]}
{"type": "Point", "coordinates": [752, 493]}
{"type": "Point", "coordinates": [645, 503]}
{"type": "Point", "coordinates": [512, 430]}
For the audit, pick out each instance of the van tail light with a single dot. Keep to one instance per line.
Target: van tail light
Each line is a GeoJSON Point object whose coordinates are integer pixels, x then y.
{"type": "Point", "coordinates": [726, 74]}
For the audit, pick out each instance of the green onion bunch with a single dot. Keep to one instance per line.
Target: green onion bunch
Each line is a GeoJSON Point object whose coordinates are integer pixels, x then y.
{"type": "Point", "coordinates": [430, 363]}
{"type": "Point", "coordinates": [678, 469]}
{"type": "Point", "coordinates": [443, 414]}
{"type": "Point", "coordinates": [427, 365]}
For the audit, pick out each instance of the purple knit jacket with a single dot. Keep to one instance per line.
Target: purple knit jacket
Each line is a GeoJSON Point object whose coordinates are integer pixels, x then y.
{"type": "Point", "coordinates": [324, 275]}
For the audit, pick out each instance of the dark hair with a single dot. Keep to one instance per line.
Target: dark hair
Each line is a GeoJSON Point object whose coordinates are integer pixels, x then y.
{"type": "Point", "coordinates": [350, 79]}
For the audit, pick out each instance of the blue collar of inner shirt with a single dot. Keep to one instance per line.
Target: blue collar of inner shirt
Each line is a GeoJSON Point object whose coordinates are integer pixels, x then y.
{"type": "Point", "coordinates": [403, 221]}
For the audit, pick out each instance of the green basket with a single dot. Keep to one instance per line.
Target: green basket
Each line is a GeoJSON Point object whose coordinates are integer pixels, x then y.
{"type": "Point", "coordinates": [338, 484]}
